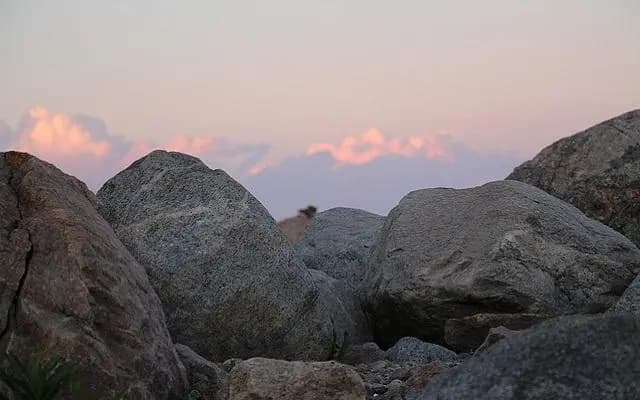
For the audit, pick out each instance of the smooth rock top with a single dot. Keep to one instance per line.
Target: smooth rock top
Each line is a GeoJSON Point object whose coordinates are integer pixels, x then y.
{"type": "Point", "coordinates": [227, 276]}
{"type": "Point", "coordinates": [337, 242]}
{"type": "Point", "coordinates": [266, 379]}
{"type": "Point", "coordinates": [69, 287]}
{"type": "Point", "coordinates": [571, 358]}
{"type": "Point", "coordinates": [505, 247]}
{"type": "Point", "coordinates": [597, 170]}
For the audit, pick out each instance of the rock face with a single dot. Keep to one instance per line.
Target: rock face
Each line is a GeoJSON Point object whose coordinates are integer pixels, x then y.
{"type": "Point", "coordinates": [410, 349]}
{"type": "Point", "coordinates": [630, 300]}
{"type": "Point", "coordinates": [502, 248]}
{"type": "Point", "coordinates": [597, 170]}
{"type": "Point", "coordinates": [207, 381]}
{"type": "Point", "coordinates": [572, 358]}
{"type": "Point", "coordinates": [265, 379]}
{"type": "Point", "coordinates": [350, 324]}
{"type": "Point", "coordinates": [494, 336]}
{"type": "Point", "coordinates": [337, 242]}
{"type": "Point", "coordinates": [69, 287]}
{"type": "Point", "coordinates": [467, 333]}
{"type": "Point", "coordinates": [227, 277]}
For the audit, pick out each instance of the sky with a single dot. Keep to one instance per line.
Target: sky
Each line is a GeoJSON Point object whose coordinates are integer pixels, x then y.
{"type": "Point", "coordinates": [331, 103]}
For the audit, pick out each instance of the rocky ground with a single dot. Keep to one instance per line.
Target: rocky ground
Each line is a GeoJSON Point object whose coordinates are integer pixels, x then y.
{"type": "Point", "coordinates": [174, 282]}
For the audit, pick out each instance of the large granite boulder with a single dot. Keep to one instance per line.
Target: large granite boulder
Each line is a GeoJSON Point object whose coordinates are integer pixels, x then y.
{"type": "Point", "coordinates": [69, 287]}
{"type": "Point", "coordinates": [337, 242]}
{"type": "Point", "coordinates": [266, 379]}
{"type": "Point", "coordinates": [597, 170]}
{"type": "Point", "coordinates": [571, 358]}
{"type": "Point", "coordinates": [227, 276]}
{"type": "Point", "coordinates": [502, 248]}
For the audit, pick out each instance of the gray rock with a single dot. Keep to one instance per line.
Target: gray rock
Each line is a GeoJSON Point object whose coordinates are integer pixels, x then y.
{"type": "Point", "coordinates": [494, 336]}
{"type": "Point", "coordinates": [570, 358]}
{"type": "Point", "coordinates": [502, 248]}
{"type": "Point", "coordinates": [365, 353]}
{"type": "Point", "coordinates": [337, 242]}
{"type": "Point", "coordinates": [350, 326]}
{"type": "Point", "coordinates": [467, 333]}
{"type": "Point", "coordinates": [266, 379]}
{"type": "Point", "coordinates": [207, 381]}
{"type": "Point", "coordinates": [395, 391]}
{"type": "Point", "coordinates": [70, 288]}
{"type": "Point", "coordinates": [410, 349]}
{"type": "Point", "coordinates": [227, 276]}
{"type": "Point", "coordinates": [630, 299]}
{"type": "Point", "coordinates": [228, 365]}
{"type": "Point", "coordinates": [597, 170]}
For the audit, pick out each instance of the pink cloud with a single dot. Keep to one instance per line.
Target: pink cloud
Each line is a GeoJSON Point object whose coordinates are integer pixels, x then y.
{"type": "Point", "coordinates": [53, 135]}
{"type": "Point", "coordinates": [370, 145]}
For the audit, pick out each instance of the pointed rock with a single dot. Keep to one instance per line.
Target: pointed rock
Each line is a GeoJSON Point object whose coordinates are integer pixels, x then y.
{"type": "Point", "coordinates": [227, 276]}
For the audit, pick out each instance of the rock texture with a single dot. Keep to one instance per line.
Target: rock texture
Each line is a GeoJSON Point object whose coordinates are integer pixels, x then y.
{"type": "Point", "coordinates": [265, 379]}
{"type": "Point", "coordinates": [69, 287]}
{"type": "Point", "coordinates": [467, 333]}
{"type": "Point", "coordinates": [494, 336]}
{"type": "Point", "coordinates": [227, 277]}
{"type": "Point", "coordinates": [207, 381]}
{"type": "Point", "coordinates": [410, 349]}
{"type": "Point", "coordinates": [337, 242]}
{"type": "Point", "coordinates": [594, 358]}
{"type": "Point", "coordinates": [630, 300]}
{"type": "Point", "coordinates": [350, 324]}
{"type": "Point", "coordinates": [597, 170]}
{"type": "Point", "coordinates": [503, 248]}
{"type": "Point", "coordinates": [366, 353]}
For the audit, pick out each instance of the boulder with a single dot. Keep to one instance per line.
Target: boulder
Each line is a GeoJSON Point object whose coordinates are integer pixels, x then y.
{"type": "Point", "coordinates": [410, 349]}
{"type": "Point", "coordinates": [337, 242]}
{"type": "Point", "coordinates": [266, 379]}
{"type": "Point", "coordinates": [467, 333]}
{"type": "Point", "coordinates": [207, 381]}
{"type": "Point", "coordinates": [630, 299]}
{"type": "Point", "coordinates": [227, 276]}
{"type": "Point", "coordinates": [366, 353]}
{"type": "Point", "coordinates": [350, 325]}
{"type": "Point", "coordinates": [597, 170]}
{"type": "Point", "coordinates": [494, 336]}
{"type": "Point", "coordinates": [571, 358]}
{"type": "Point", "coordinates": [68, 287]}
{"type": "Point", "coordinates": [501, 248]}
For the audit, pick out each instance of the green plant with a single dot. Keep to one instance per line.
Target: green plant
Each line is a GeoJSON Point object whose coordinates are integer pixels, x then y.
{"type": "Point", "coordinates": [49, 379]}
{"type": "Point", "coordinates": [38, 379]}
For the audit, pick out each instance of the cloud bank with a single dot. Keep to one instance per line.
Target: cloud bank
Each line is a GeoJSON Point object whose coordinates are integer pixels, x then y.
{"type": "Point", "coordinates": [369, 171]}
{"type": "Point", "coordinates": [376, 186]}
{"type": "Point", "coordinates": [371, 145]}
{"type": "Point", "coordinates": [83, 146]}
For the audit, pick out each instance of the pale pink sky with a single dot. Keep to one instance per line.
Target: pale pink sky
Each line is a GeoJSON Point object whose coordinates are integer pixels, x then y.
{"type": "Point", "coordinates": [260, 86]}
